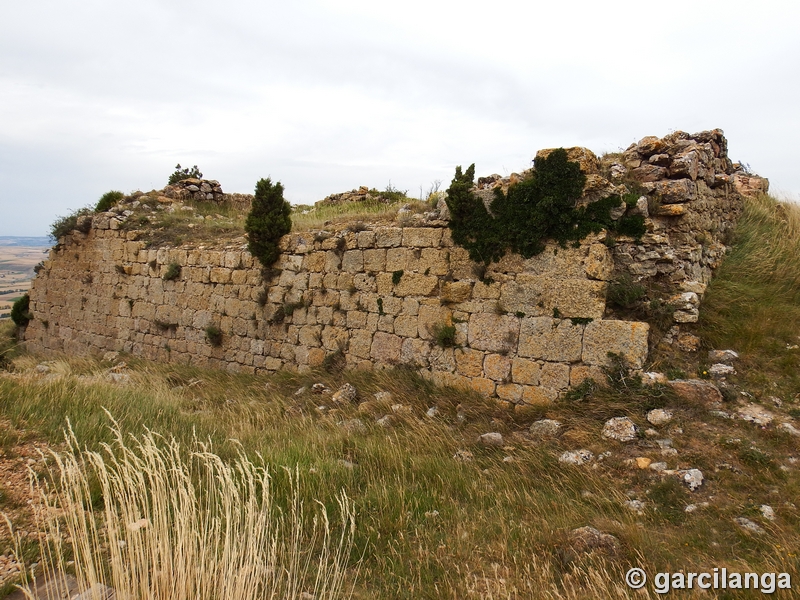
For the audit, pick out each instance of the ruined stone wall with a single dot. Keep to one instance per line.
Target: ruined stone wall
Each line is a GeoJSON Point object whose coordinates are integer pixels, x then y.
{"type": "Point", "coordinates": [382, 294]}
{"type": "Point", "coordinates": [376, 295]}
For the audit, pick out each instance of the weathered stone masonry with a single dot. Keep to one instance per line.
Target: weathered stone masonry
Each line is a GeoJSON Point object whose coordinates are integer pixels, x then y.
{"type": "Point", "coordinates": [525, 331]}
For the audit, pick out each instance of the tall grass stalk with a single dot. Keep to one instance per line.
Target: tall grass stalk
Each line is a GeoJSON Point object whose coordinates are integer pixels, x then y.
{"type": "Point", "coordinates": [178, 525]}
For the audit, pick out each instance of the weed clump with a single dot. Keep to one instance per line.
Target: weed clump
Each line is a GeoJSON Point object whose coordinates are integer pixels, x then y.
{"type": "Point", "coordinates": [268, 221]}
{"type": "Point", "coordinates": [79, 220]}
{"type": "Point", "coordinates": [173, 272]}
{"type": "Point", "coordinates": [444, 335]}
{"type": "Point", "coordinates": [214, 335]}
{"type": "Point", "coordinates": [624, 292]}
{"type": "Point", "coordinates": [108, 200]}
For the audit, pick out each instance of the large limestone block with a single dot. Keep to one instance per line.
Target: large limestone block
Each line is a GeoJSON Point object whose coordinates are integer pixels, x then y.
{"type": "Point", "coordinates": [551, 339]}
{"type": "Point", "coordinates": [469, 362]}
{"type": "Point", "coordinates": [556, 261]}
{"type": "Point", "coordinates": [493, 333]}
{"type": "Point", "coordinates": [430, 317]}
{"type": "Point", "coordinates": [415, 284]}
{"type": "Point", "coordinates": [750, 185]}
{"type": "Point", "coordinates": [626, 338]}
{"type": "Point", "coordinates": [353, 261]}
{"type": "Point", "coordinates": [388, 237]}
{"type": "Point", "coordinates": [497, 367]}
{"type": "Point", "coordinates": [366, 239]}
{"type": "Point", "coordinates": [599, 263]}
{"type": "Point", "coordinates": [675, 191]}
{"type": "Point", "coordinates": [540, 295]}
{"type": "Point", "coordinates": [587, 159]}
{"type": "Point", "coordinates": [406, 326]}
{"type": "Point", "coordinates": [455, 292]}
{"type": "Point", "coordinates": [386, 348]}
{"type": "Point", "coordinates": [421, 237]}
{"type": "Point", "coordinates": [433, 261]}
{"type": "Point", "coordinates": [524, 371]}
{"type": "Point", "coordinates": [374, 259]}
{"type": "Point", "coordinates": [360, 343]}
{"type": "Point", "coordinates": [415, 352]}
{"type": "Point", "coordinates": [555, 376]}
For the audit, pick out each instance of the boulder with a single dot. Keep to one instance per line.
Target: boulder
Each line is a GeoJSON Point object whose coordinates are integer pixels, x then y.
{"type": "Point", "coordinates": [621, 429]}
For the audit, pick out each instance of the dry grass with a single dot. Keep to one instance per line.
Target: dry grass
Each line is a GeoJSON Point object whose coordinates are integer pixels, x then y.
{"type": "Point", "coordinates": [169, 524]}
{"type": "Point", "coordinates": [753, 303]}
{"type": "Point", "coordinates": [306, 218]}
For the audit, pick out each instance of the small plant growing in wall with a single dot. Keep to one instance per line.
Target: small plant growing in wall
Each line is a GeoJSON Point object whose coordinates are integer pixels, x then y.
{"type": "Point", "coordinates": [214, 335]}
{"type": "Point", "coordinates": [268, 221]}
{"type": "Point", "coordinates": [397, 276]}
{"type": "Point", "coordinates": [173, 272]}
{"type": "Point", "coordinates": [444, 335]}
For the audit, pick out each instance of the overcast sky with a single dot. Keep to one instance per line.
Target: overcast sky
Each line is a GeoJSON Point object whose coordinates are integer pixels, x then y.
{"type": "Point", "coordinates": [326, 96]}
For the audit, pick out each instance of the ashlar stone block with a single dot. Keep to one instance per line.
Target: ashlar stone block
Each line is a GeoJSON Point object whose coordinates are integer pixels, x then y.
{"type": "Point", "coordinates": [493, 333]}
{"type": "Point", "coordinates": [551, 339]}
{"type": "Point", "coordinates": [626, 338]}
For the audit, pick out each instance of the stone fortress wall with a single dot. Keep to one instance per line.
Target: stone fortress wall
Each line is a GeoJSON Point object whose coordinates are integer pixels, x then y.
{"type": "Point", "coordinates": [381, 294]}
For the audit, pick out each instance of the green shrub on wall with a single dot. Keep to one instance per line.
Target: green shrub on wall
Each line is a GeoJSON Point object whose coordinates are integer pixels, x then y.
{"type": "Point", "coordinates": [540, 207]}
{"type": "Point", "coordinates": [180, 174]}
{"type": "Point", "coordinates": [269, 220]}
{"type": "Point", "coordinates": [108, 200]}
{"type": "Point", "coordinates": [20, 311]}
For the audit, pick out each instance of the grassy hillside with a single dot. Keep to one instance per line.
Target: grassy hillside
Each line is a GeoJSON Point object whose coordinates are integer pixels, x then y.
{"type": "Point", "coordinates": [439, 514]}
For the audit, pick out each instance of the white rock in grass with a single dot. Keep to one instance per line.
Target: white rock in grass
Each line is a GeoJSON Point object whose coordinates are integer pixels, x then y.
{"type": "Point", "coordinates": [693, 478]}
{"type": "Point", "coordinates": [635, 506]}
{"type": "Point", "coordinates": [789, 428]}
{"type": "Point", "coordinates": [723, 356]}
{"type": "Point", "coordinates": [432, 412]}
{"type": "Point", "coordinates": [463, 456]}
{"type": "Point", "coordinates": [719, 371]}
{"type": "Point", "coordinates": [383, 397]}
{"type": "Point", "coordinates": [491, 439]}
{"type": "Point", "coordinates": [576, 457]}
{"type": "Point", "coordinates": [345, 394]}
{"type": "Point", "coordinates": [767, 512]}
{"type": "Point", "coordinates": [621, 429]}
{"type": "Point", "coordinates": [748, 525]}
{"type": "Point", "coordinates": [753, 413]}
{"type": "Point", "coordinates": [659, 416]}
{"type": "Point", "coordinates": [545, 428]}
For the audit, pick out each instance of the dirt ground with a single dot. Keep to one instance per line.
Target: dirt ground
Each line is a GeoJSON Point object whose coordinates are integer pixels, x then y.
{"type": "Point", "coordinates": [17, 454]}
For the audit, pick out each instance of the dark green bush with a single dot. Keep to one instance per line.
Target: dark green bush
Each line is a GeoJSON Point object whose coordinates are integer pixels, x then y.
{"type": "Point", "coordinates": [542, 206]}
{"type": "Point", "coordinates": [181, 174]}
{"type": "Point", "coordinates": [108, 200]}
{"type": "Point", "coordinates": [65, 225]}
{"type": "Point", "coordinates": [20, 312]}
{"type": "Point", "coordinates": [214, 335]}
{"type": "Point", "coordinates": [269, 220]}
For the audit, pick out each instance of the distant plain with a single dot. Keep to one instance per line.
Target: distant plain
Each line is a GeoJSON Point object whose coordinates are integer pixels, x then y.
{"type": "Point", "coordinates": [18, 257]}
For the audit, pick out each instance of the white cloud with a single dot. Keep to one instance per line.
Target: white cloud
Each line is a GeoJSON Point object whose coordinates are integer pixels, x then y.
{"type": "Point", "coordinates": [329, 95]}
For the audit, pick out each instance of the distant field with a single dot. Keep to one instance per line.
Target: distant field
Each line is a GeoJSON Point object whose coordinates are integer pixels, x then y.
{"type": "Point", "coordinates": [16, 271]}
